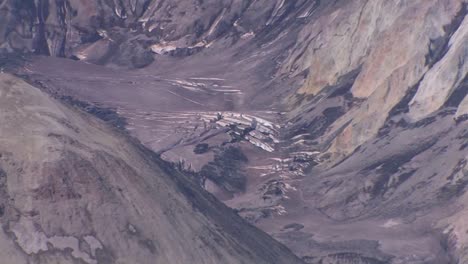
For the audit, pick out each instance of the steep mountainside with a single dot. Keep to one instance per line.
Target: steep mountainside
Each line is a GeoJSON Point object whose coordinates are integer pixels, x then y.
{"type": "Point", "coordinates": [125, 32]}
{"type": "Point", "coordinates": [340, 127]}
{"type": "Point", "coordinates": [74, 191]}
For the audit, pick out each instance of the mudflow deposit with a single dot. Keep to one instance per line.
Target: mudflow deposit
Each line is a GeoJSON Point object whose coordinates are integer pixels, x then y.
{"type": "Point", "coordinates": [233, 131]}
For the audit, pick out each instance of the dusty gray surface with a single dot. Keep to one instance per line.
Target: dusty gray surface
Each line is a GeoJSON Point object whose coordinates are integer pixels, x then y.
{"type": "Point", "coordinates": [72, 190]}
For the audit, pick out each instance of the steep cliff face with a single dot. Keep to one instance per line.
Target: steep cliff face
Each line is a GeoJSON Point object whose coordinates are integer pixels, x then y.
{"type": "Point", "coordinates": [74, 191]}
{"type": "Point", "coordinates": [384, 103]}
{"type": "Point", "coordinates": [339, 127]}
{"type": "Point", "coordinates": [412, 53]}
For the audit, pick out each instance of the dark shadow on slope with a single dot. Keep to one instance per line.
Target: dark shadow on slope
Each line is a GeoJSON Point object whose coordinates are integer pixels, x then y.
{"type": "Point", "coordinates": [458, 94]}
{"type": "Point", "coordinates": [106, 114]}
{"type": "Point", "coordinates": [226, 170]}
{"type": "Point", "coordinates": [438, 47]}
{"type": "Point", "coordinates": [388, 167]}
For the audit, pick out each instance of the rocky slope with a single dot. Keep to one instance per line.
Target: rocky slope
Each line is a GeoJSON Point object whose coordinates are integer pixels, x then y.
{"type": "Point", "coordinates": [339, 127]}
{"type": "Point", "coordinates": [408, 53]}
{"type": "Point", "coordinates": [74, 191]}
{"type": "Point", "coordinates": [128, 32]}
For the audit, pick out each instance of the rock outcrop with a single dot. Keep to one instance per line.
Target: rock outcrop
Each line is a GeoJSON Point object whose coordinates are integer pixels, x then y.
{"type": "Point", "coordinates": [416, 49]}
